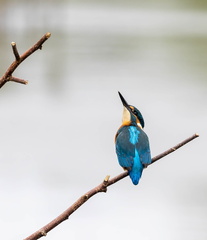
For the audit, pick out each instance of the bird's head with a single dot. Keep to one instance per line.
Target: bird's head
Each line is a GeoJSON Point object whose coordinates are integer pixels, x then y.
{"type": "Point", "coordinates": [131, 115]}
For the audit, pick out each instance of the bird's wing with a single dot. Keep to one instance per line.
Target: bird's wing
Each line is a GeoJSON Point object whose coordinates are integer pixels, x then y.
{"type": "Point", "coordinates": [144, 148]}
{"type": "Point", "coordinates": [125, 159]}
{"type": "Point", "coordinates": [124, 149]}
{"type": "Point", "coordinates": [146, 157]}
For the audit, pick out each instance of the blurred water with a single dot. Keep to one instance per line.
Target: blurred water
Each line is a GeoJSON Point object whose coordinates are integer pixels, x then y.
{"type": "Point", "coordinates": [57, 132]}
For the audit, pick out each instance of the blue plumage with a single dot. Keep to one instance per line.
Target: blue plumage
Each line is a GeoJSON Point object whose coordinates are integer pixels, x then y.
{"type": "Point", "coordinates": [132, 145]}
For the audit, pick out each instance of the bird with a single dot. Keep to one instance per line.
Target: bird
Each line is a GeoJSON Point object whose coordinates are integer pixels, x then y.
{"type": "Point", "coordinates": [132, 143]}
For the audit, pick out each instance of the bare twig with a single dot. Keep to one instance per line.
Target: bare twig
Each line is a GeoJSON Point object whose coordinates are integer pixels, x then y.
{"type": "Point", "coordinates": [154, 159]}
{"type": "Point", "coordinates": [15, 51]}
{"type": "Point", "coordinates": [100, 188]}
{"type": "Point", "coordinates": [18, 80]}
{"type": "Point", "coordinates": [18, 59]}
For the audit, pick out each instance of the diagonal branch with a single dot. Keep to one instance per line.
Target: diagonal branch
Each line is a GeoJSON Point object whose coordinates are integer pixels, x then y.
{"type": "Point", "coordinates": [18, 59]}
{"type": "Point", "coordinates": [187, 140]}
{"type": "Point", "coordinates": [100, 188]}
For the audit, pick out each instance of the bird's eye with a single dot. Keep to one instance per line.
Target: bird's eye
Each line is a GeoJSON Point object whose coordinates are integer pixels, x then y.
{"type": "Point", "coordinates": [134, 112]}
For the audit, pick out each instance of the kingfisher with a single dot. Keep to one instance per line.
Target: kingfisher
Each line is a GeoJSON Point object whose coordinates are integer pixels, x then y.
{"type": "Point", "coordinates": [132, 144]}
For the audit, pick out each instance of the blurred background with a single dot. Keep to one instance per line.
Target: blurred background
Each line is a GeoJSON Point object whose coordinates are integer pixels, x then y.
{"type": "Point", "coordinates": [57, 132]}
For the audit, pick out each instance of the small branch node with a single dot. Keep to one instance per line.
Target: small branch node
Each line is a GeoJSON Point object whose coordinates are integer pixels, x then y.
{"type": "Point", "coordinates": [173, 148]}
{"type": "Point", "coordinates": [105, 184]}
{"type": "Point", "coordinates": [85, 197]}
{"type": "Point", "coordinates": [15, 51]}
{"type": "Point", "coordinates": [103, 189]}
{"type": "Point", "coordinates": [48, 34]}
{"type": "Point", "coordinates": [106, 179]}
{"type": "Point", "coordinates": [43, 233]}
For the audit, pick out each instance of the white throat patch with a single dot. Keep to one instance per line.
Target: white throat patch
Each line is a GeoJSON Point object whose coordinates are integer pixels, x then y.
{"type": "Point", "coordinates": [139, 125]}
{"type": "Point", "coordinates": [126, 115]}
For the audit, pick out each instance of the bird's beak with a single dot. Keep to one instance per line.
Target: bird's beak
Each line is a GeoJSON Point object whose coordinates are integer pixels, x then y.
{"type": "Point", "coordinates": [124, 101]}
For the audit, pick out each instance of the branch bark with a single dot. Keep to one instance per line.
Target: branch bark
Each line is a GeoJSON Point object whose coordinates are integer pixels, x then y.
{"type": "Point", "coordinates": [18, 59]}
{"type": "Point", "coordinates": [100, 188]}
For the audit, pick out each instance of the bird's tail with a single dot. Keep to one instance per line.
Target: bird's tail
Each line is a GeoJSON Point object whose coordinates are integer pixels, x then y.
{"type": "Point", "coordinates": [135, 175]}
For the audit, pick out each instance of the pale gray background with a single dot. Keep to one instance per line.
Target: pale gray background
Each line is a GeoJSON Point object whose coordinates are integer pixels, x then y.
{"type": "Point", "coordinates": [57, 133]}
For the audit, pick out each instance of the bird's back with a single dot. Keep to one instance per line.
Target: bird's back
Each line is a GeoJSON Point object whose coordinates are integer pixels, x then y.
{"type": "Point", "coordinates": [132, 148]}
